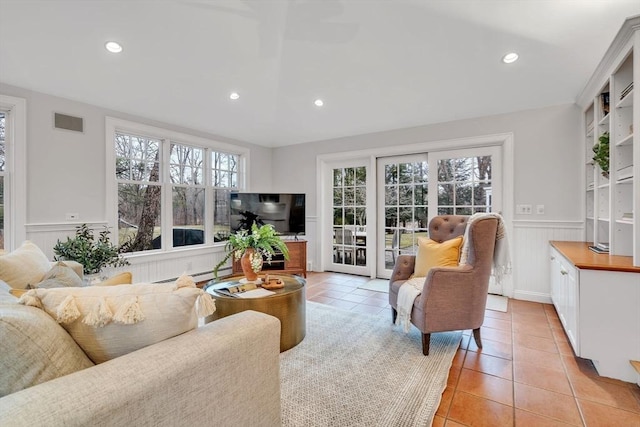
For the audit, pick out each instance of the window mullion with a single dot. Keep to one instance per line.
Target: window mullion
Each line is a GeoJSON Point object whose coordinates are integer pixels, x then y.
{"type": "Point", "coordinates": [208, 197]}
{"type": "Point", "coordinates": [166, 203]}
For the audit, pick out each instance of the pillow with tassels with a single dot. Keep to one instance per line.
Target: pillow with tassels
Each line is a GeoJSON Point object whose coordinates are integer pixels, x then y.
{"type": "Point", "coordinates": [110, 321]}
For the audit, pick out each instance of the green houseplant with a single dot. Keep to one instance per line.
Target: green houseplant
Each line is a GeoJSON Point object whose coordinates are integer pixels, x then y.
{"type": "Point", "coordinates": [601, 153]}
{"type": "Point", "coordinates": [94, 254]}
{"type": "Point", "coordinates": [261, 241]}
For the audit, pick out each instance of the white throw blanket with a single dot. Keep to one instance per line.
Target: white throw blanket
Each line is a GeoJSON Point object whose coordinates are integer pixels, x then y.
{"type": "Point", "coordinates": [501, 257]}
{"type": "Point", "coordinates": [407, 294]}
{"type": "Point", "coordinates": [410, 289]}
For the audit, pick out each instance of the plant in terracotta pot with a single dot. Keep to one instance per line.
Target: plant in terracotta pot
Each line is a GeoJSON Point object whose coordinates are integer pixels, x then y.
{"type": "Point", "coordinates": [251, 247]}
{"type": "Point", "coordinates": [601, 154]}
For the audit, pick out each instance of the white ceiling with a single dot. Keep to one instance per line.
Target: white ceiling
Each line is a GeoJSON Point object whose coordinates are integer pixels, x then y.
{"type": "Point", "coordinates": [378, 65]}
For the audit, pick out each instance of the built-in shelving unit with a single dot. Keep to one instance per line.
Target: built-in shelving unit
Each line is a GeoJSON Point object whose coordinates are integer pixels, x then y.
{"type": "Point", "coordinates": [611, 105]}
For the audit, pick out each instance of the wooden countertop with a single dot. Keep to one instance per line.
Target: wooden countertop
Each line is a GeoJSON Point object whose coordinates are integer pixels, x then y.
{"type": "Point", "coordinates": [582, 257]}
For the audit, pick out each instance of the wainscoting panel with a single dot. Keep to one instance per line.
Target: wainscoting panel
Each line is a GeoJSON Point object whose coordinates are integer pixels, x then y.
{"type": "Point", "coordinates": [531, 255]}
{"type": "Point", "coordinates": [151, 267]}
{"type": "Point", "coordinates": [47, 235]}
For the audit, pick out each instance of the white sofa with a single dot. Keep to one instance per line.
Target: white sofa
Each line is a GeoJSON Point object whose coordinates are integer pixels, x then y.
{"type": "Point", "coordinates": [225, 373]}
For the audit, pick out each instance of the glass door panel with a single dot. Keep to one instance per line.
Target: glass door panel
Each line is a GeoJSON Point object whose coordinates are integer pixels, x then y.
{"type": "Point", "coordinates": [349, 221]}
{"type": "Point", "coordinates": [403, 189]}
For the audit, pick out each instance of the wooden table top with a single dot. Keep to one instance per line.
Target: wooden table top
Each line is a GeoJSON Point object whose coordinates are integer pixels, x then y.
{"type": "Point", "coordinates": [582, 257]}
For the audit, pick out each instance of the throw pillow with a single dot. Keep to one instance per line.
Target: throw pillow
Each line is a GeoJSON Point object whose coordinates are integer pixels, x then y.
{"type": "Point", "coordinates": [433, 254]}
{"type": "Point", "coordinates": [110, 321]}
{"type": "Point", "coordinates": [24, 266]}
{"type": "Point", "coordinates": [59, 276]}
{"type": "Point", "coordinates": [35, 349]}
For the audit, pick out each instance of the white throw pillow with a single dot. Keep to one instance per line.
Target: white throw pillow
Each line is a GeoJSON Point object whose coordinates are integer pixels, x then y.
{"type": "Point", "coordinates": [110, 321]}
{"type": "Point", "coordinates": [59, 276]}
{"type": "Point", "coordinates": [23, 267]}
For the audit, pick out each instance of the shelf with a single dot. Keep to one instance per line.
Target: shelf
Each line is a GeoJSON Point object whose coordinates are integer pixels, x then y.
{"type": "Point", "coordinates": [603, 186]}
{"type": "Point", "coordinates": [604, 120]}
{"type": "Point", "coordinates": [625, 180]}
{"type": "Point", "coordinates": [603, 219]}
{"type": "Point", "coordinates": [627, 140]}
{"type": "Point", "coordinates": [627, 101]}
{"type": "Point", "coordinates": [624, 221]}
{"type": "Point", "coordinates": [589, 218]}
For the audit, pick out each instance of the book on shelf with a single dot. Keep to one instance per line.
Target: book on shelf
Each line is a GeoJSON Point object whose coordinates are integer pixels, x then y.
{"type": "Point", "coordinates": [604, 103]}
{"type": "Point", "coordinates": [598, 250]}
{"type": "Point", "coordinates": [244, 290]}
{"type": "Point", "coordinates": [627, 216]}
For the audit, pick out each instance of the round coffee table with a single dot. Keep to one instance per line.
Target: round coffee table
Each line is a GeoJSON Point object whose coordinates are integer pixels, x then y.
{"type": "Point", "coordinates": [287, 304]}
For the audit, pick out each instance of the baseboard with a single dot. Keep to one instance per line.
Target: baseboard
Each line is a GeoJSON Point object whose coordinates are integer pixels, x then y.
{"type": "Point", "coordinates": [532, 296]}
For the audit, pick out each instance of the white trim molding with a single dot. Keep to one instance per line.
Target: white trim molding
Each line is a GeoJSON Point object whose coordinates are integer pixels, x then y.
{"type": "Point", "coordinates": [17, 167]}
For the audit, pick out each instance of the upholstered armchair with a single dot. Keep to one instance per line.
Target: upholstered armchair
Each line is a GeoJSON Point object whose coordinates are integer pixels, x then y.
{"type": "Point", "coordinates": [453, 298]}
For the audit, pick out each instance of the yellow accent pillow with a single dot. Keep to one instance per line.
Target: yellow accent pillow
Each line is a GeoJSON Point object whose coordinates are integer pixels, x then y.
{"type": "Point", "coordinates": [124, 278]}
{"type": "Point", "coordinates": [433, 254]}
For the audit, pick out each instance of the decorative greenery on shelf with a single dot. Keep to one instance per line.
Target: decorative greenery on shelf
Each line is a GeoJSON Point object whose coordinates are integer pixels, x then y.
{"type": "Point", "coordinates": [263, 239]}
{"type": "Point", "coordinates": [601, 154]}
{"type": "Point", "coordinates": [93, 254]}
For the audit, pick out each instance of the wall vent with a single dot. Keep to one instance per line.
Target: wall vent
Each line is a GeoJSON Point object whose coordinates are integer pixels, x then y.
{"type": "Point", "coordinates": [63, 121]}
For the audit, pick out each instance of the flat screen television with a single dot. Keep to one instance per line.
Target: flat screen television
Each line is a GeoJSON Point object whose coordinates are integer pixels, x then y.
{"type": "Point", "coordinates": [285, 211]}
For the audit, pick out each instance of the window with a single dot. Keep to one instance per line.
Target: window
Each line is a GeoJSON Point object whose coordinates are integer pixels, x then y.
{"type": "Point", "coordinates": [172, 189]}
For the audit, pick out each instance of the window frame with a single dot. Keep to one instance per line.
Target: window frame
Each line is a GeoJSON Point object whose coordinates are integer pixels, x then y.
{"type": "Point", "coordinates": [15, 174]}
{"type": "Point", "coordinates": [167, 137]}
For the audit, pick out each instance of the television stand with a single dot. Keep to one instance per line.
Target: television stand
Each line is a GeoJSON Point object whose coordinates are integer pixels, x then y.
{"type": "Point", "coordinates": [296, 264]}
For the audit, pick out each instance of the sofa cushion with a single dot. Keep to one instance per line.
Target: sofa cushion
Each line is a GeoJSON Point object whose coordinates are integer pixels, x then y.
{"type": "Point", "coordinates": [24, 266]}
{"type": "Point", "coordinates": [109, 321]}
{"type": "Point", "coordinates": [35, 348]}
{"type": "Point", "coordinates": [433, 254]}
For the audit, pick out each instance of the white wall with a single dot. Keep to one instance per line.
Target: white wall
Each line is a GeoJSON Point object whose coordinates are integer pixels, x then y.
{"type": "Point", "coordinates": [66, 174]}
{"type": "Point", "coordinates": [548, 171]}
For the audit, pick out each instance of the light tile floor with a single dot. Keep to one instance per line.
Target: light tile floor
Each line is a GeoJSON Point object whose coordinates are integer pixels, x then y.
{"type": "Point", "coordinates": [526, 373]}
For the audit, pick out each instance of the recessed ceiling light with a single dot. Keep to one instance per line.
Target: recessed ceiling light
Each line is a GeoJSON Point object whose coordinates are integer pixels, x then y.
{"type": "Point", "coordinates": [234, 95]}
{"type": "Point", "coordinates": [510, 57]}
{"type": "Point", "coordinates": [318, 102]}
{"type": "Point", "coordinates": [113, 47]}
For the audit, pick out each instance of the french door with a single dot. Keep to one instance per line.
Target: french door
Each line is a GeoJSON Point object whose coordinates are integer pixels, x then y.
{"type": "Point", "coordinates": [413, 189]}
{"type": "Point", "coordinates": [350, 208]}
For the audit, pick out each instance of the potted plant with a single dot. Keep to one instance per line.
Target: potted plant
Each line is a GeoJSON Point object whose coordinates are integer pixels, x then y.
{"type": "Point", "coordinates": [252, 247]}
{"type": "Point", "coordinates": [601, 154]}
{"type": "Point", "coordinates": [94, 254]}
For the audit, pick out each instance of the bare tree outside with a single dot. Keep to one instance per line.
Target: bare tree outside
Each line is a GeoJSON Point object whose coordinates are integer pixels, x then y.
{"type": "Point", "coordinates": [139, 191]}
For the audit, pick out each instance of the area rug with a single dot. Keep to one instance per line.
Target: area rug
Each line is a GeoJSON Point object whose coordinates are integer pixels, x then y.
{"type": "Point", "coordinates": [359, 370]}
{"type": "Point", "coordinates": [497, 303]}
{"type": "Point", "coordinates": [378, 285]}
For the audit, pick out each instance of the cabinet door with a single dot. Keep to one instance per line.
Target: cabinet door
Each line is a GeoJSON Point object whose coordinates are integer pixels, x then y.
{"type": "Point", "coordinates": [297, 254]}
{"type": "Point", "coordinates": [555, 279]}
{"type": "Point", "coordinates": [571, 306]}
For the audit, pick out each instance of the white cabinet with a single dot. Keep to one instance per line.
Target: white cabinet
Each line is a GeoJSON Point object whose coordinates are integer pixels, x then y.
{"type": "Point", "coordinates": [612, 106]}
{"type": "Point", "coordinates": [564, 294]}
{"type": "Point", "coordinates": [597, 298]}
